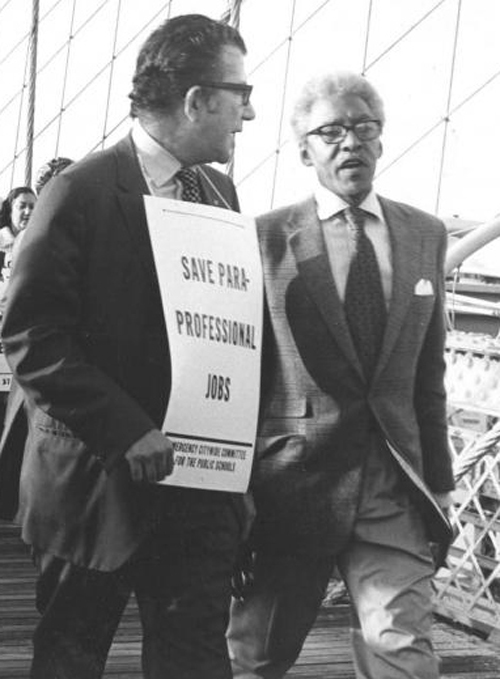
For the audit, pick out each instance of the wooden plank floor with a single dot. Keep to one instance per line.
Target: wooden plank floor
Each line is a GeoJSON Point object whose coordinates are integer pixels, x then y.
{"type": "Point", "coordinates": [326, 654]}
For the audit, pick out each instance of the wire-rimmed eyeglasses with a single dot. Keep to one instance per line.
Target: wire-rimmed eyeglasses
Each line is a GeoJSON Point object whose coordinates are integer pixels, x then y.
{"type": "Point", "coordinates": [333, 133]}
{"type": "Point", "coordinates": [241, 88]}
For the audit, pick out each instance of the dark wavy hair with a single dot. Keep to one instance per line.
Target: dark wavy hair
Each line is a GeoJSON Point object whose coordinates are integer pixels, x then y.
{"type": "Point", "coordinates": [6, 209]}
{"type": "Point", "coordinates": [182, 52]}
{"type": "Point", "coordinates": [50, 169]}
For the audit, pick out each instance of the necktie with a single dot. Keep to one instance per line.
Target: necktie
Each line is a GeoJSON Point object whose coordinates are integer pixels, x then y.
{"type": "Point", "coordinates": [190, 186]}
{"type": "Point", "coordinates": [364, 302]}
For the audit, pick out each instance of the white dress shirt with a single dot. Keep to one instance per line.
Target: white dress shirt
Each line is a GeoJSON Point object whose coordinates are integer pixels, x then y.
{"type": "Point", "coordinates": [340, 237]}
{"type": "Point", "coordinates": [158, 166]}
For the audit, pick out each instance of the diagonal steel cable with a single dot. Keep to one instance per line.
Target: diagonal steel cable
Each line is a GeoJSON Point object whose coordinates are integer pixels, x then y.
{"type": "Point", "coordinates": [68, 44]}
{"type": "Point", "coordinates": [96, 75]}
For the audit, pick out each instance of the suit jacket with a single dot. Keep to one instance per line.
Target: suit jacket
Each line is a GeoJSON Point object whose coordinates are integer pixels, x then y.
{"type": "Point", "coordinates": [85, 337]}
{"type": "Point", "coordinates": [318, 412]}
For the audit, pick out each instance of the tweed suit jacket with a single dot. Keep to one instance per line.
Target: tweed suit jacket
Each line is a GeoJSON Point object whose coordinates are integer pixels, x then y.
{"type": "Point", "coordinates": [85, 336]}
{"type": "Point", "coordinates": [318, 412]}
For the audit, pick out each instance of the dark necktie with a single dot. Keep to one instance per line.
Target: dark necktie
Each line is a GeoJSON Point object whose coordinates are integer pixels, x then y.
{"type": "Point", "coordinates": [364, 302]}
{"type": "Point", "coordinates": [190, 186]}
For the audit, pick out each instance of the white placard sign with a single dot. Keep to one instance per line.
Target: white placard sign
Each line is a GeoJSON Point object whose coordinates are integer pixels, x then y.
{"type": "Point", "coordinates": [210, 277]}
{"type": "Point", "coordinates": [5, 373]}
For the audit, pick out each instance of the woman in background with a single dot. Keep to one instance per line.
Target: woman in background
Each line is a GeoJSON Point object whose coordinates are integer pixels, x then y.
{"type": "Point", "coordinates": [14, 217]}
{"type": "Point", "coordinates": [15, 214]}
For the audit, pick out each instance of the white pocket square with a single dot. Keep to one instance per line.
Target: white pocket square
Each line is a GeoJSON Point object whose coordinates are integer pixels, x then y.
{"type": "Point", "coordinates": [424, 287]}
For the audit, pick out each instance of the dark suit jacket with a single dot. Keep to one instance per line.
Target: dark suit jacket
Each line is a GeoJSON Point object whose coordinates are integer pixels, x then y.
{"type": "Point", "coordinates": [318, 411]}
{"type": "Point", "coordinates": [85, 336]}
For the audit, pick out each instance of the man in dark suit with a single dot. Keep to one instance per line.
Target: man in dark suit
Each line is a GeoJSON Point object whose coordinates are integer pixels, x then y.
{"type": "Point", "coordinates": [353, 463]}
{"type": "Point", "coordinates": [85, 336]}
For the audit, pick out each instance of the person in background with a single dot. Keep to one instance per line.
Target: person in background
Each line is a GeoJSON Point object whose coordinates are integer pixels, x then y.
{"type": "Point", "coordinates": [50, 169]}
{"type": "Point", "coordinates": [11, 244]}
{"type": "Point", "coordinates": [85, 336]}
{"type": "Point", "coordinates": [15, 214]}
{"type": "Point", "coordinates": [353, 468]}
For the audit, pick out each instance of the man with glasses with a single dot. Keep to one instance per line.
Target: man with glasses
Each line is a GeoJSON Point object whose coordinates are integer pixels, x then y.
{"type": "Point", "coordinates": [353, 466]}
{"type": "Point", "coordinates": [85, 335]}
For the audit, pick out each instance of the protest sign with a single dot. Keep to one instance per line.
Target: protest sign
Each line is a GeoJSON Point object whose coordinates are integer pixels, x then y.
{"type": "Point", "coordinates": [210, 278]}
{"type": "Point", "coordinates": [5, 373]}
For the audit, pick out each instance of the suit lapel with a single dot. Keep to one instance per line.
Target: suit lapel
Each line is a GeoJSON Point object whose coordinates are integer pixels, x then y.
{"type": "Point", "coordinates": [308, 246]}
{"type": "Point", "coordinates": [406, 243]}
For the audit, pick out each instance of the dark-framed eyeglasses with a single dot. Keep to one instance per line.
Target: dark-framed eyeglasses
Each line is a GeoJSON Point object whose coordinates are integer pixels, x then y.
{"type": "Point", "coordinates": [333, 133]}
{"type": "Point", "coordinates": [241, 88]}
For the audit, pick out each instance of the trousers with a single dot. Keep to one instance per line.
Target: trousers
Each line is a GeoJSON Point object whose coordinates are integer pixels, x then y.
{"type": "Point", "coordinates": [181, 579]}
{"type": "Point", "coordinates": [387, 567]}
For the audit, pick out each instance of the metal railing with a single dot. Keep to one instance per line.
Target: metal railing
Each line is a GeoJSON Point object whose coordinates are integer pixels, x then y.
{"type": "Point", "coordinates": [468, 589]}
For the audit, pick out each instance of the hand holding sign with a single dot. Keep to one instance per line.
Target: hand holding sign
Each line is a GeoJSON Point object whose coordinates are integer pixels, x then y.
{"type": "Point", "coordinates": [151, 458]}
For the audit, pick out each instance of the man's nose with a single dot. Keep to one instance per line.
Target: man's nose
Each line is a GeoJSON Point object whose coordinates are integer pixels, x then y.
{"type": "Point", "coordinates": [249, 112]}
{"type": "Point", "coordinates": [350, 140]}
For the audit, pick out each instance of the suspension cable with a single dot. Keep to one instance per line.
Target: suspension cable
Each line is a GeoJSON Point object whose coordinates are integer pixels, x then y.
{"type": "Point", "coordinates": [19, 118]}
{"type": "Point", "coordinates": [283, 42]}
{"type": "Point", "coordinates": [448, 104]}
{"type": "Point", "coordinates": [30, 123]}
{"type": "Point", "coordinates": [367, 35]}
{"type": "Point", "coordinates": [5, 5]}
{"type": "Point", "coordinates": [232, 17]}
{"type": "Point", "coordinates": [69, 44]}
{"type": "Point", "coordinates": [97, 74]}
{"type": "Point", "coordinates": [439, 122]}
{"type": "Point", "coordinates": [405, 34]}
{"type": "Point", "coordinates": [26, 35]}
{"type": "Point", "coordinates": [111, 72]}
{"type": "Point", "coordinates": [59, 49]}
{"type": "Point", "coordinates": [282, 111]}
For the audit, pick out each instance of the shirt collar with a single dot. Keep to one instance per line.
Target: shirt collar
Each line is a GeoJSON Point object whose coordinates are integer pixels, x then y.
{"type": "Point", "coordinates": [158, 164]}
{"type": "Point", "coordinates": [329, 204]}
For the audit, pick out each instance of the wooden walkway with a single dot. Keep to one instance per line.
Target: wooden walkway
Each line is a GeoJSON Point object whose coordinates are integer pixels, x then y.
{"type": "Point", "coordinates": [326, 654]}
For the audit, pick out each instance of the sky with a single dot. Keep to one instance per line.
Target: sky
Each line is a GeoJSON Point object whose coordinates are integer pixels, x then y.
{"type": "Point", "coordinates": [440, 85]}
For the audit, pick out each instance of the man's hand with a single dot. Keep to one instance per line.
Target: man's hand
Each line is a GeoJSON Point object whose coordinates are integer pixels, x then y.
{"type": "Point", "coordinates": [151, 458]}
{"type": "Point", "coordinates": [444, 500]}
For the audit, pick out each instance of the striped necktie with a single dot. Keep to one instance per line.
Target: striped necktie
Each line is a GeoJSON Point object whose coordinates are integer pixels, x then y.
{"type": "Point", "coordinates": [190, 185]}
{"type": "Point", "coordinates": [364, 302]}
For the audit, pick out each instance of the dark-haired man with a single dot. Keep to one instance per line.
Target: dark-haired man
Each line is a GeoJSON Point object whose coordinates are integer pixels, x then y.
{"type": "Point", "coordinates": [85, 335]}
{"type": "Point", "coordinates": [353, 462]}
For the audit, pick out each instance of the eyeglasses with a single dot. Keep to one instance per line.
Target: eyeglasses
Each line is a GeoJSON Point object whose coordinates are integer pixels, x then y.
{"type": "Point", "coordinates": [333, 133]}
{"type": "Point", "coordinates": [243, 89]}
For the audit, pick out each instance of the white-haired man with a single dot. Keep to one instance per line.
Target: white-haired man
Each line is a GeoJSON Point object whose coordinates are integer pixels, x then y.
{"type": "Point", "coordinates": [353, 462]}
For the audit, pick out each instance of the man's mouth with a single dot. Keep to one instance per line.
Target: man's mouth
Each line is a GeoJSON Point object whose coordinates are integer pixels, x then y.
{"type": "Point", "coordinates": [352, 164]}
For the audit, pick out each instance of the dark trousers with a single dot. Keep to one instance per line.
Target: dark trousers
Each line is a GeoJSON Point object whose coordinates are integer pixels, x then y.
{"type": "Point", "coordinates": [181, 580]}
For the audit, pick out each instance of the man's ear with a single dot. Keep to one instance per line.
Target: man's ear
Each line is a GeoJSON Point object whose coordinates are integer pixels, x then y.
{"type": "Point", "coordinates": [194, 100]}
{"type": "Point", "coordinates": [304, 153]}
{"type": "Point", "coordinates": [380, 149]}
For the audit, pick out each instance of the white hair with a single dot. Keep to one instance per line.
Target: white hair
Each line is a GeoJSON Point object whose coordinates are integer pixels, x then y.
{"type": "Point", "coordinates": [325, 86]}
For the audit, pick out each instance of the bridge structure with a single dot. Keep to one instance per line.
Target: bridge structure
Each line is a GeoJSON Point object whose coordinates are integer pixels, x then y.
{"type": "Point", "coordinates": [65, 68]}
